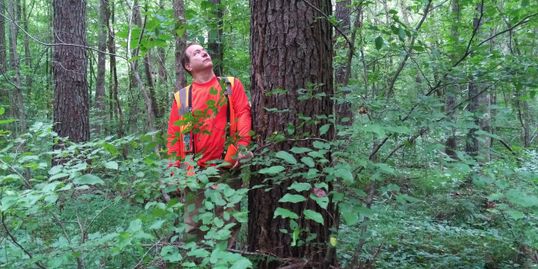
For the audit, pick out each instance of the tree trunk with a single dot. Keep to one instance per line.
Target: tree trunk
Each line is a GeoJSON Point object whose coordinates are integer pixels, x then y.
{"type": "Point", "coordinates": [3, 63]}
{"type": "Point", "coordinates": [16, 97]}
{"type": "Point", "coordinates": [27, 52]}
{"type": "Point", "coordinates": [450, 92]}
{"type": "Point", "coordinates": [215, 37]}
{"type": "Point", "coordinates": [151, 85]}
{"type": "Point", "coordinates": [472, 145]}
{"type": "Point", "coordinates": [161, 56]}
{"type": "Point", "coordinates": [181, 36]}
{"type": "Point", "coordinates": [114, 105]}
{"type": "Point", "coordinates": [291, 45]}
{"type": "Point", "coordinates": [71, 103]}
{"type": "Point", "coordinates": [343, 69]}
{"type": "Point", "coordinates": [101, 65]}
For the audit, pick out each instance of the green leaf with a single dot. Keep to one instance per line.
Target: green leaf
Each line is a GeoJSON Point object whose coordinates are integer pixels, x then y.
{"type": "Point", "coordinates": [300, 186]}
{"type": "Point", "coordinates": [522, 199]}
{"type": "Point", "coordinates": [242, 263]}
{"type": "Point", "coordinates": [324, 129]}
{"type": "Point", "coordinates": [286, 157]}
{"type": "Point", "coordinates": [284, 213]}
{"type": "Point", "coordinates": [112, 165]}
{"type": "Point", "coordinates": [308, 161]}
{"type": "Point", "coordinates": [344, 174]}
{"type": "Point", "coordinates": [272, 170]}
{"type": "Point", "coordinates": [379, 42]}
{"type": "Point", "coordinates": [321, 145]}
{"type": "Point", "coordinates": [88, 179]}
{"type": "Point", "coordinates": [299, 150]}
{"type": "Point", "coordinates": [292, 198]}
{"type": "Point", "coordinates": [323, 202]}
{"type": "Point", "coordinates": [313, 215]}
{"type": "Point", "coordinates": [170, 254]}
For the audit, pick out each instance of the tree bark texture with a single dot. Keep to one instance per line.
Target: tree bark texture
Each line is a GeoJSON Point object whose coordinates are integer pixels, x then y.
{"type": "Point", "coordinates": [179, 13]}
{"type": "Point", "coordinates": [451, 142]}
{"type": "Point", "coordinates": [291, 45]}
{"type": "Point", "coordinates": [27, 53]}
{"type": "Point", "coordinates": [71, 103]}
{"type": "Point", "coordinates": [16, 96]}
{"type": "Point", "coordinates": [3, 63]}
{"type": "Point", "coordinates": [101, 64]}
{"type": "Point", "coordinates": [343, 70]}
{"type": "Point", "coordinates": [215, 37]}
{"type": "Point", "coordinates": [114, 105]}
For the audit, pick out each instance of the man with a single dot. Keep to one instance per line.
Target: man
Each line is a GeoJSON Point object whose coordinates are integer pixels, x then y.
{"type": "Point", "coordinates": [204, 132]}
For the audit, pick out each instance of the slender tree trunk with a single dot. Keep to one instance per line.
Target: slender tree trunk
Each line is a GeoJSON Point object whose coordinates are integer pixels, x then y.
{"type": "Point", "coordinates": [343, 70]}
{"type": "Point", "coordinates": [472, 145]}
{"type": "Point", "coordinates": [291, 47]}
{"type": "Point", "coordinates": [181, 36]}
{"type": "Point", "coordinates": [136, 81]}
{"type": "Point", "coordinates": [451, 91]}
{"type": "Point", "coordinates": [161, 56]}
{"type": "Point", "coordinates": [215, 37]}
{"type": "Point", "coordinates": [16, 96]}
{"type": "Point", "coordinates": [71, 102]}
{"type": "Point", "coordinates": [151, 85]}
{"type": "Point", "coordinates": [27, 53]}
{"type": "Point", "coordinates": [115, 111]}
{"type": "Point", "coordinates": [101, 66]}
{"type": "Point", "coordinates": [3, 63]}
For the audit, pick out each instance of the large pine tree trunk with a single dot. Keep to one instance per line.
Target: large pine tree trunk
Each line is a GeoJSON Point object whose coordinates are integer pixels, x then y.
{"type": "Point", "coordinates": [291, 46]}
{"type": "Point", "coordinates": [215, 37]}
{"type": "Point", "coordinates": [179, 13]}
{"type": "Point", "coordinates": [71, 104]}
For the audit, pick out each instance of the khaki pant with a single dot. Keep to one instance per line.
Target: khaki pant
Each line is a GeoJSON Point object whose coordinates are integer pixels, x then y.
{"type": "Point", "coordinates": [193, 202]}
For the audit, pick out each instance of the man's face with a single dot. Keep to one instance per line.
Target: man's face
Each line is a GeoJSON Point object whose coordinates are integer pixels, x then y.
{"type": "Point", "coordinates": [198, 59]}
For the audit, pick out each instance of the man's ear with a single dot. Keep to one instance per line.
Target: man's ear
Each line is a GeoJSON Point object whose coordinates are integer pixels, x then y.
{"type": "Point", "coordinates": [188, 66]}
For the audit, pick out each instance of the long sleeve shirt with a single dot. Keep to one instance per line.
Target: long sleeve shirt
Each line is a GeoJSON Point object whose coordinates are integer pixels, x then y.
{"type": "Point", "coordinates": [209, 132]}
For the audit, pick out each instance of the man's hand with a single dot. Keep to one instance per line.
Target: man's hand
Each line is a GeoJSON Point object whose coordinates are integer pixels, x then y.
{"type": "Point", "coordinates": [243, 157]}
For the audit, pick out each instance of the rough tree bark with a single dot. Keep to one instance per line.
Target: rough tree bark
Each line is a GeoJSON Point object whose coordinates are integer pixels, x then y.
{"type": "Point", "coordinates": [343, 69]}
{"type": "Point", "coordinates": [101, 65]}
{"type": "Point", "coordinates": [291, 44]}
{"type": "Point", "coordinates": [71, 103]}
{"type": "Point", "coordinates": [16, 96]}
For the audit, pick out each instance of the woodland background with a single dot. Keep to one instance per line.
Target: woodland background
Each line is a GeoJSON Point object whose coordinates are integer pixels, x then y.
{"type": "Point", "coordinates": [426, 156]}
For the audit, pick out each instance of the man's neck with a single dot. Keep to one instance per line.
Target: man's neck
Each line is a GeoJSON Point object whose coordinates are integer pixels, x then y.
{"type": "Point", "coordinates": [203, 77]}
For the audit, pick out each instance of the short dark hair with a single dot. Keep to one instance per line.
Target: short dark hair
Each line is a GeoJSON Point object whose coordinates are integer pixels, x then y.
{"type": "Point", "coordinates": [185, 58]}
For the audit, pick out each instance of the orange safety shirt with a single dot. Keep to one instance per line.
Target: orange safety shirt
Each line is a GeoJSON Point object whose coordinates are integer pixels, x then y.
{"type": "Point", "coordinates": [209, 108]}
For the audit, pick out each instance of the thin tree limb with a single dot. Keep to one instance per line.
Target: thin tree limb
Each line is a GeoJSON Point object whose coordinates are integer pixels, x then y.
{"type": "Point", "coordinates": [14, 240]}
{"type": "Point", "coordinates": [327, 17]}
{"type": "Point", "coordinates": [408, 53]}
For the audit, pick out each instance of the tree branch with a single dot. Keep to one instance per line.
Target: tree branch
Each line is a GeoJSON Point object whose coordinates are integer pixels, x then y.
{"type": "Point", "coordinates": [408, 53]}
{"type": "Point", "coordinates": [327, 17]}
{"type": "Point", "coordinates": [14, 240]}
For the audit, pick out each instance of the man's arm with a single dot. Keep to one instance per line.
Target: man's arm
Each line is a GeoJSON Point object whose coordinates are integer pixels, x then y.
{"type": "Point", "coordinates": [174, 131]}
{"type": "Point", "coordinates": [242, 114]}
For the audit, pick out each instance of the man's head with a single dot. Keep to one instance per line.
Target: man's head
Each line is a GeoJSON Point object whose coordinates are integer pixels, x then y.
{"type": "Point", "coordinates": [195, 58]}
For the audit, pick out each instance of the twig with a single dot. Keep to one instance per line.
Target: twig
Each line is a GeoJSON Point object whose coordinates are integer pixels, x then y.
{"type": "Point", "coordinates": [14, 240]}
{"type": "Point", "coordinates": [327, 17]}
{"type": "Point", "coordinates": [146, 254]}
{"type": "Point", "coordinates": [26, 182]}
